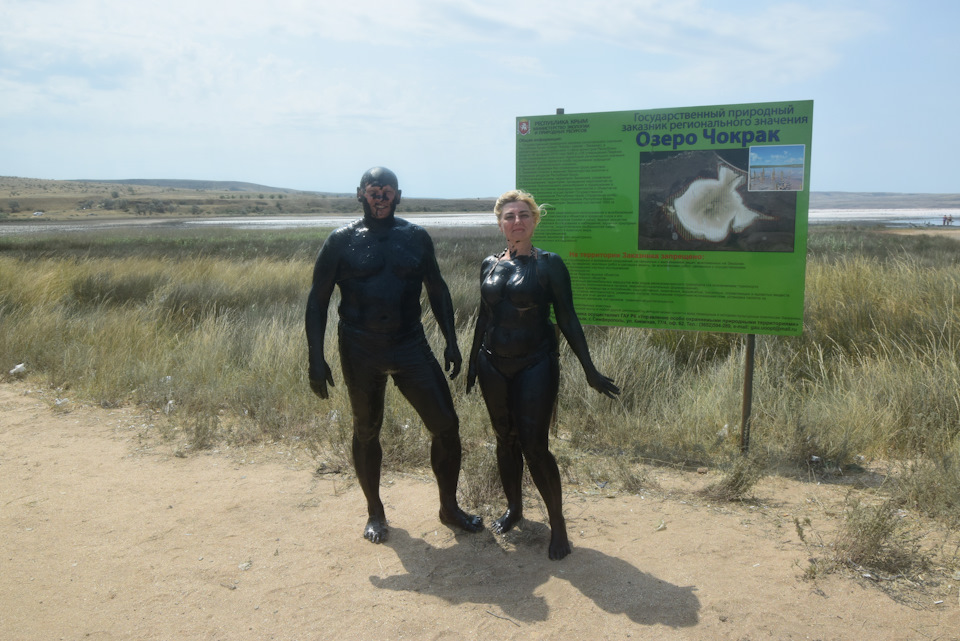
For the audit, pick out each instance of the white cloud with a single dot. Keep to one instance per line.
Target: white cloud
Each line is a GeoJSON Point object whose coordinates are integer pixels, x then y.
{"type": "Point", "coordinates": [424, 75]}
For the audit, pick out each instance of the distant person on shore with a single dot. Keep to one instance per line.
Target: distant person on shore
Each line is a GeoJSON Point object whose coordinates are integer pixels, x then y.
{"type": "Point", "coordinates": [381, 263]}
{"type": "Point", "coordinates": [514, 357]}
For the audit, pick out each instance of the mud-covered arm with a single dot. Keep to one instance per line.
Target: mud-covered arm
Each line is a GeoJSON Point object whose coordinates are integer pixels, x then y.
{"type": "Point", "coordinates": [442, 305]}
{"type": "Point", "coordinates": [562, 295]}
{"type": "Point", "coordinates": [483, 320]}
{"type": "Point", "coordinates": [318, 302]}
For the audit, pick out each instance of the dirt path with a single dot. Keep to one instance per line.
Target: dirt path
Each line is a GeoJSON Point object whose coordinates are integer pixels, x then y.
{"type": "Point", "coordinates": [106, 535]}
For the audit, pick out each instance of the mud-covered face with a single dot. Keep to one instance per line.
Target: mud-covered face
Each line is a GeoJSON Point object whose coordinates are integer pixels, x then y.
{"type": "Point", "coordinates": [379, 202]}
{"type": "Point", "coordinates": [379, 193]}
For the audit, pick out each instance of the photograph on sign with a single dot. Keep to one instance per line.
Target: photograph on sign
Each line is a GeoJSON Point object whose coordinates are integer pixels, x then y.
{"type": "Point", "coordinates": [699, 200]}
{"type": "Point", "coordinates": [776, 168]}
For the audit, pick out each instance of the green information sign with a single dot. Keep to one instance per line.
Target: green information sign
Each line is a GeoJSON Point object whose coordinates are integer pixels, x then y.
{"type": "Point", "coordinates": [692, 218]}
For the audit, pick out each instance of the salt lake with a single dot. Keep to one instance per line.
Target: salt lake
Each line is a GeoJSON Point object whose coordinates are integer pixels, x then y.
{"type": "Point", "coordinates": [890, 217]}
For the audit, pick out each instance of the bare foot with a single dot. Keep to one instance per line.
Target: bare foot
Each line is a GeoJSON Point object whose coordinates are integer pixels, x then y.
{"type": "Point", "coordinates": [559, 545]}
{"type": "Point", "coordinates": [376, 530]}
{"type": "Point", "coordinates": [458, 518]}
{"type": "Point", "coordinates": [506, 522]}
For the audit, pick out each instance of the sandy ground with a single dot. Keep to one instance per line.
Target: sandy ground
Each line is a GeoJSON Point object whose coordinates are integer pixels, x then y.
{"type": "Point", "coordinates": [106, 534]}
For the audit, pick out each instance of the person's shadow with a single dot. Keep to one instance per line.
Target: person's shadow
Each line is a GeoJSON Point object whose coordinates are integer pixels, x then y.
{"type": "Point", "coordinates": [476, 570]}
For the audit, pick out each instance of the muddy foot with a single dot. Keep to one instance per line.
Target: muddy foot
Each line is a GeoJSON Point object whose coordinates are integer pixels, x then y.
{"type": "Point", "coordinates": [459, 518]}
{"type": "Point", "coordinates": [376, 530]}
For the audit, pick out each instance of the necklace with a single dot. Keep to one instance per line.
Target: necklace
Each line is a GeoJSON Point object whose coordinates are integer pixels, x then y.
{"type": "Point", "coordinates": [513, 253]}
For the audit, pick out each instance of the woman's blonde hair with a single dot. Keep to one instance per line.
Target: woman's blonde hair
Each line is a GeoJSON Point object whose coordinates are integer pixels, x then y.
{"type": "Point", "coordinates": [518, 195]}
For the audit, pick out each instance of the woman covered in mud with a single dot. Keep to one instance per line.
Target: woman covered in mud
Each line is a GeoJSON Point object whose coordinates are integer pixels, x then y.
{"type": "Point", "coordinates": [514, 357]}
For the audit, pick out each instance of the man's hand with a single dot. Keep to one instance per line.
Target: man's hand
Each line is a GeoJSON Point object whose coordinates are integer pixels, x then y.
{"type": "Point", "coordinates": [320, 377]}
{"type": "Point", "coordinates": [452, 358]}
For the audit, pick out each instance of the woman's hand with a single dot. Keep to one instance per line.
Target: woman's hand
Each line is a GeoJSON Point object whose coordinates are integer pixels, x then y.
{"type": "Point", "coordinates": [471, 375]}
{"type": "Point", "coordinates": [602, 384]}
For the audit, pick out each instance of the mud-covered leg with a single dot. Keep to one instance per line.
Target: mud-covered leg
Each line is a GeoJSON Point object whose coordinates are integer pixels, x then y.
{"type": "Point", "coordinates": [426, 389]}
{"type": "Point", "coordinates": [546, 476]}
{"type": "Point", "coordinates": [532, 413]}
{"type": "Point", "coordinates": [366, 390]}
{"type": "Point", "coordinates": [367, 458]}
{"type": "Point", "coordinates": [496, 395]}
{"type": "Point", "coordinates": [510, 464]}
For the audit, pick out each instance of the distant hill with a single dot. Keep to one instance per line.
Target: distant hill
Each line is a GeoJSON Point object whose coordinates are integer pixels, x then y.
{"type": "Point", "coordinates": [208, 185]}
{"type": "Point", "coordinates": [818, 199]}
{"type": "Point", "coordinates": [24, 197]}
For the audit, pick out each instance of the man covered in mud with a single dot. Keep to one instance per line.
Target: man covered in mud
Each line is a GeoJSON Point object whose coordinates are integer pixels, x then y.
{"type": "Point", "coordinates": [380, 264]}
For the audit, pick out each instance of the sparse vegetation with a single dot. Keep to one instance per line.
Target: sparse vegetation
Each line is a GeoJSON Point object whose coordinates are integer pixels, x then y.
{"type": "Point", "coordinates": [206, 329]}
{"type": "Point", "coordinates": [874, 540]}
{"type": "Point", "coordinates": [875, 537]}
{"type": "Point", "coordinates": [743, 475]}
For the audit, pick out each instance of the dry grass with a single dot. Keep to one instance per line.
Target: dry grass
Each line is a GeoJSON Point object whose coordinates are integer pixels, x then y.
{"type": "Point", "coordinates": [743, 475]}
{"type": "Point", "coordinates": [208, 330]}
{"type": "Point", "coordinates": [876, 541]}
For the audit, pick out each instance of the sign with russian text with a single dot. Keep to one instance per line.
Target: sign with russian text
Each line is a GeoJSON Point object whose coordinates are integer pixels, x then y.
{"type": "Point", "coordinates": [691, 218]}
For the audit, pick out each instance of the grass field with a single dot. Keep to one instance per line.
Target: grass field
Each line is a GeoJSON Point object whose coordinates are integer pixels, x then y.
{"type": "Point", "coordinates": [205, 328]}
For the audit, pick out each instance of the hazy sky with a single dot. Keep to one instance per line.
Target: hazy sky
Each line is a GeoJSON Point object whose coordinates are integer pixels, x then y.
{"type": "Point", "coordinates": [308, 94]}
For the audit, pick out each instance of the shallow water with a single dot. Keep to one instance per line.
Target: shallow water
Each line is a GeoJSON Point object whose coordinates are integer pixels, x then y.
{"type": "Point", "coordinates": [266, 223]}
{"type": "Point", "coordinates": [889, 217]}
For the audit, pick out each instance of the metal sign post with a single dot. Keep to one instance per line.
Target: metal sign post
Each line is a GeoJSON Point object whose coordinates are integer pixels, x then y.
{"type": "Point", "coordinates": [747, 394]}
